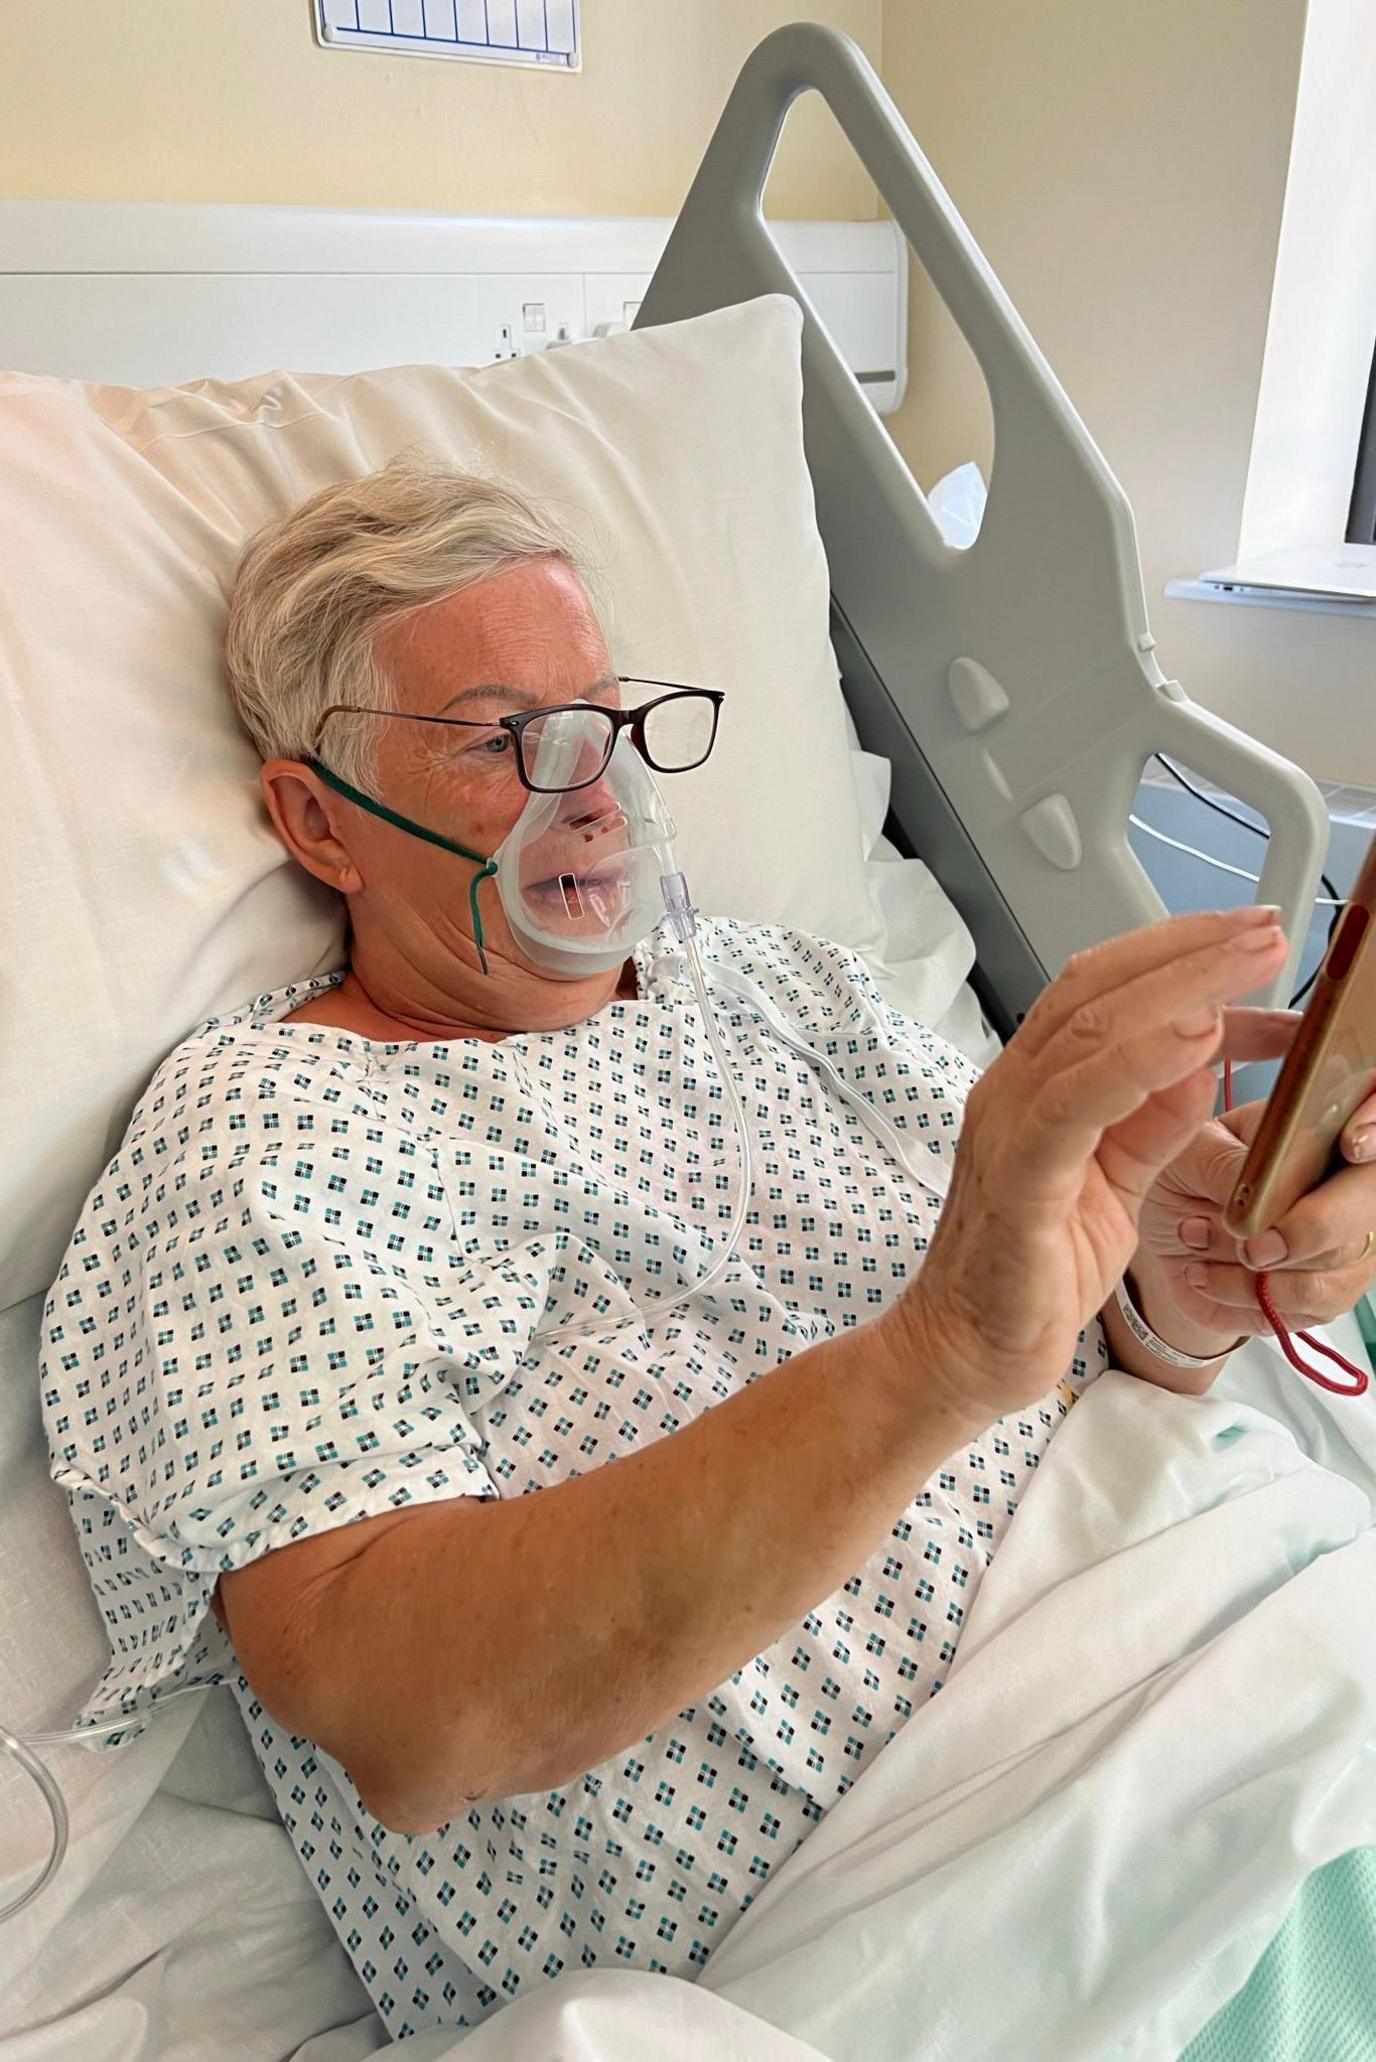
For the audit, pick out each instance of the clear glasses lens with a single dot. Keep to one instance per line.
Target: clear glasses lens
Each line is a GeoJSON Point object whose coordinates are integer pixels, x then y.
{"type": "Point", "coordinates": [566, 749]}
{"type": "Point", "coordinates": [678, 732]}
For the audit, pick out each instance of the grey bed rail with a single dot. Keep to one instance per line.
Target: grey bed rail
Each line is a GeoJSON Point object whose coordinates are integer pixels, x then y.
{"type": "Point", "coordinates": [1013, 685]}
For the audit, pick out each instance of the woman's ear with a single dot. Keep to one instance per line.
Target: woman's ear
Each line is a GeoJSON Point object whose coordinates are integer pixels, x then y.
{"type": "Point", "coordinates": [303, 810]}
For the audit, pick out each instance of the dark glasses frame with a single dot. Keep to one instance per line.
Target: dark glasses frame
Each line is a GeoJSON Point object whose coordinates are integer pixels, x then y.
{"type": "Point", "coordinates": [617, 721]}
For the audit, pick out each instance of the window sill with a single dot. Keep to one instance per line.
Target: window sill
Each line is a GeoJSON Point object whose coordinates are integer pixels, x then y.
{"type": "Point", "coordinates": [1320, 604]}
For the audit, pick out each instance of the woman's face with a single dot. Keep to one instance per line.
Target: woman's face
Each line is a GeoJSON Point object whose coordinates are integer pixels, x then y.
{"type": "Point", "coordinates": [521, 640]}
{"type": "Point", "coordinates": [510, 646]}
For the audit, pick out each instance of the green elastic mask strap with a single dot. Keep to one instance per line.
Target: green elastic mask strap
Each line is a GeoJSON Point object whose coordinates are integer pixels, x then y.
{"type": "Point", "coordinates": [418, 830]}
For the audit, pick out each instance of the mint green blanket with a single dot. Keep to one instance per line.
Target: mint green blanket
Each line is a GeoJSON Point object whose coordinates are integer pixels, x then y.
{"type": "Point", "coordinates": [1312, 1996]}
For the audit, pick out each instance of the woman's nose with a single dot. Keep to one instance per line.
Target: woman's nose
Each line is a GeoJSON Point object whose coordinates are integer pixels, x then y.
{"type": "Point", "coordinates": [594, 809]}
{"type": "Point", "coordinates": [597, 795]}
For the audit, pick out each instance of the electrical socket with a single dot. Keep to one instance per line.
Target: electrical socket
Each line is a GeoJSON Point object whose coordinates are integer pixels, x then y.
{"type": "Point", "coordinates": [537, 311]}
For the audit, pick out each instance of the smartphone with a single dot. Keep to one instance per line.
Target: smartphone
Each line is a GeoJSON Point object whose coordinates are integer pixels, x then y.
{"type": "Point", "coordinates": [1327, 1074]}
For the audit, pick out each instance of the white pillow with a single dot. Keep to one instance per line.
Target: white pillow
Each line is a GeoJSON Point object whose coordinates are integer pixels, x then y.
{"type": "Point", "coordinates": [144, 888]}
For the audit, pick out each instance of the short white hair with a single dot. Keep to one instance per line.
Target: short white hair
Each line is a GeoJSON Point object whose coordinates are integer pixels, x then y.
{"type": "Point", "coordinates": [314, 588]}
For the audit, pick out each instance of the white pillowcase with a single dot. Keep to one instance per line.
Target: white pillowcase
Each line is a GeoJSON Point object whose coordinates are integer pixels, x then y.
{"type": "Point", "coordinates": [145, 888]}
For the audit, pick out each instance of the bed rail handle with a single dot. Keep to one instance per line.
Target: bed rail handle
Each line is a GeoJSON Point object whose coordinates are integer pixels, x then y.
{"type": "Point", "coordinates": [1028, 401]}
{"type": "Point", "coordinates": [1040, 605]}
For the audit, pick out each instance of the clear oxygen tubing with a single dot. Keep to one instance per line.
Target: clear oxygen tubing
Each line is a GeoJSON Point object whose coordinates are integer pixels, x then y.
{"type": "Point", "coordinates": [931, 1172]}
{"type": "Point", "coordinates": [20, 1748]}
{"type": "Point", "coordinates": [923, 1167]}
{"type": "Point", "coordinates": [683, 918]}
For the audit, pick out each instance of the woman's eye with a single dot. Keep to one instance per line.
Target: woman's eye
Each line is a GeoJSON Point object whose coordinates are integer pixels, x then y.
{"type": "Point", "coordinates": [495, 747]}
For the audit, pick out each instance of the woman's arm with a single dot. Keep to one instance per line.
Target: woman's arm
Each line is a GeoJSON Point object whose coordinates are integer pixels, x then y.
{"type": "Point", "coordinates": [486, 1649]}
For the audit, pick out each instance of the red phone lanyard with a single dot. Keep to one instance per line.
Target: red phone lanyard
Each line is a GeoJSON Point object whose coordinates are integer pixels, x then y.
{"type": "Point", "coordinates": [1277, 1323]}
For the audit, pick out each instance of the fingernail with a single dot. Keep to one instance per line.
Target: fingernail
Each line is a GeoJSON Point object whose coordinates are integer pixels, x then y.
{"type": "Point", "coordinates": [1194, 1231]}
{"type": "Point", "coordinates": [1266, 1250]}
{"type": "Point", "coordinates": [1197, 1275]}
{"type": "Point", "coordinates": [1362, 1144]}
{"type": "Point", "coordinates": [1196, 1024]}
{"type": "Point", "coordinates": [1255, 913]}
{"type": "Point", "coordinates": [1262, 939]}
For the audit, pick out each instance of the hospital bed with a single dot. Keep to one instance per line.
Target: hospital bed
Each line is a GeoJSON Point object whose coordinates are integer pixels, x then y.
{"type": "Point", "coordinates": [1004, 701]}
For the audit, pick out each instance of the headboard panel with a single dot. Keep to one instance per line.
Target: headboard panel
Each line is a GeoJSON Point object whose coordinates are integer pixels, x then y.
{"type": "Point", "coordinates": [159, 293]}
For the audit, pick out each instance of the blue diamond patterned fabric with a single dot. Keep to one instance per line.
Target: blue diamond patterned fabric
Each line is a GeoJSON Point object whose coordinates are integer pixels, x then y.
{"type": "Point", "coordinates": [304, 1292]}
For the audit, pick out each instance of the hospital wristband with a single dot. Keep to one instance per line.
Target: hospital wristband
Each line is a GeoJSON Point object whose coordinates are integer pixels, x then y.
{"type": "Point", "coordinates": [1155, 1344]}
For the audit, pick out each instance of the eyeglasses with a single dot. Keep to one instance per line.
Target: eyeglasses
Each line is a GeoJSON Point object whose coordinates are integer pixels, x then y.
{"type": "Point", "coordinates": [567, 747]}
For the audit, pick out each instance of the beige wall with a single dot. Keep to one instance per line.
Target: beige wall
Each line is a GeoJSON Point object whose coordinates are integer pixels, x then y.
{"type": "Point", "coordinates": [1123, 169]}
{"type": "Point", "coordinates": [179, 100]}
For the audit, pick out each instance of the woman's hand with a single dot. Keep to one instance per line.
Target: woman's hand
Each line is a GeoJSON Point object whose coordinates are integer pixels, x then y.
{"type": "Point", "coordinates": [1319, 1257]}
{"type": "Point", "coordinates": [1064, 1135]}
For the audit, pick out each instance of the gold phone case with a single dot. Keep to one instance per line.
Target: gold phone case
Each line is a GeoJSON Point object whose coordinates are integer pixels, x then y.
{"type": "Point", "coordinates": [1328, 1072]}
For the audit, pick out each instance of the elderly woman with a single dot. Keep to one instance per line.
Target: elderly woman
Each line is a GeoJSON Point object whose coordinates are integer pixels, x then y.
{"type": "Point", "coordinates": [522, 1710]}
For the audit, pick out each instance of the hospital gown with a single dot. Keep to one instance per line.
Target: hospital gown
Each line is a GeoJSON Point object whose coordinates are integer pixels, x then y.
{"type": "Point", "coordinates": [305, 1292]}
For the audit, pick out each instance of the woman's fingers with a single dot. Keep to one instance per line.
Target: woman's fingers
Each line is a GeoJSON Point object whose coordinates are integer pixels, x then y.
{"type": "Point", "coordinates": [1252, 1034]}
{"type": "Point", "coordinates": [1112, 1055]}
{"type": "Point", "coordinates": [1328, 1227]}
{"type": "Point", "coordinates": [1333, 1227]}
{"type": "Point", "coordinates": [1359, 1133]}
{"type": "Point", "coordinates": [1306, 1298]}
{"type": "Point", "coordinates": [1133, 1152]}
{"type": "Point", "coordinates": [1248, 1034]}
{"type": "Point", "coordinates": [1101, 970]}
{"type": "Point", "coordinates": [1331, 1230]}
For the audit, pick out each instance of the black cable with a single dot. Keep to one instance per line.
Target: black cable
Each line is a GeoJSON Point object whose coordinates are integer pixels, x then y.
{"type": "Point", "coordinates": [1258, 832]}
